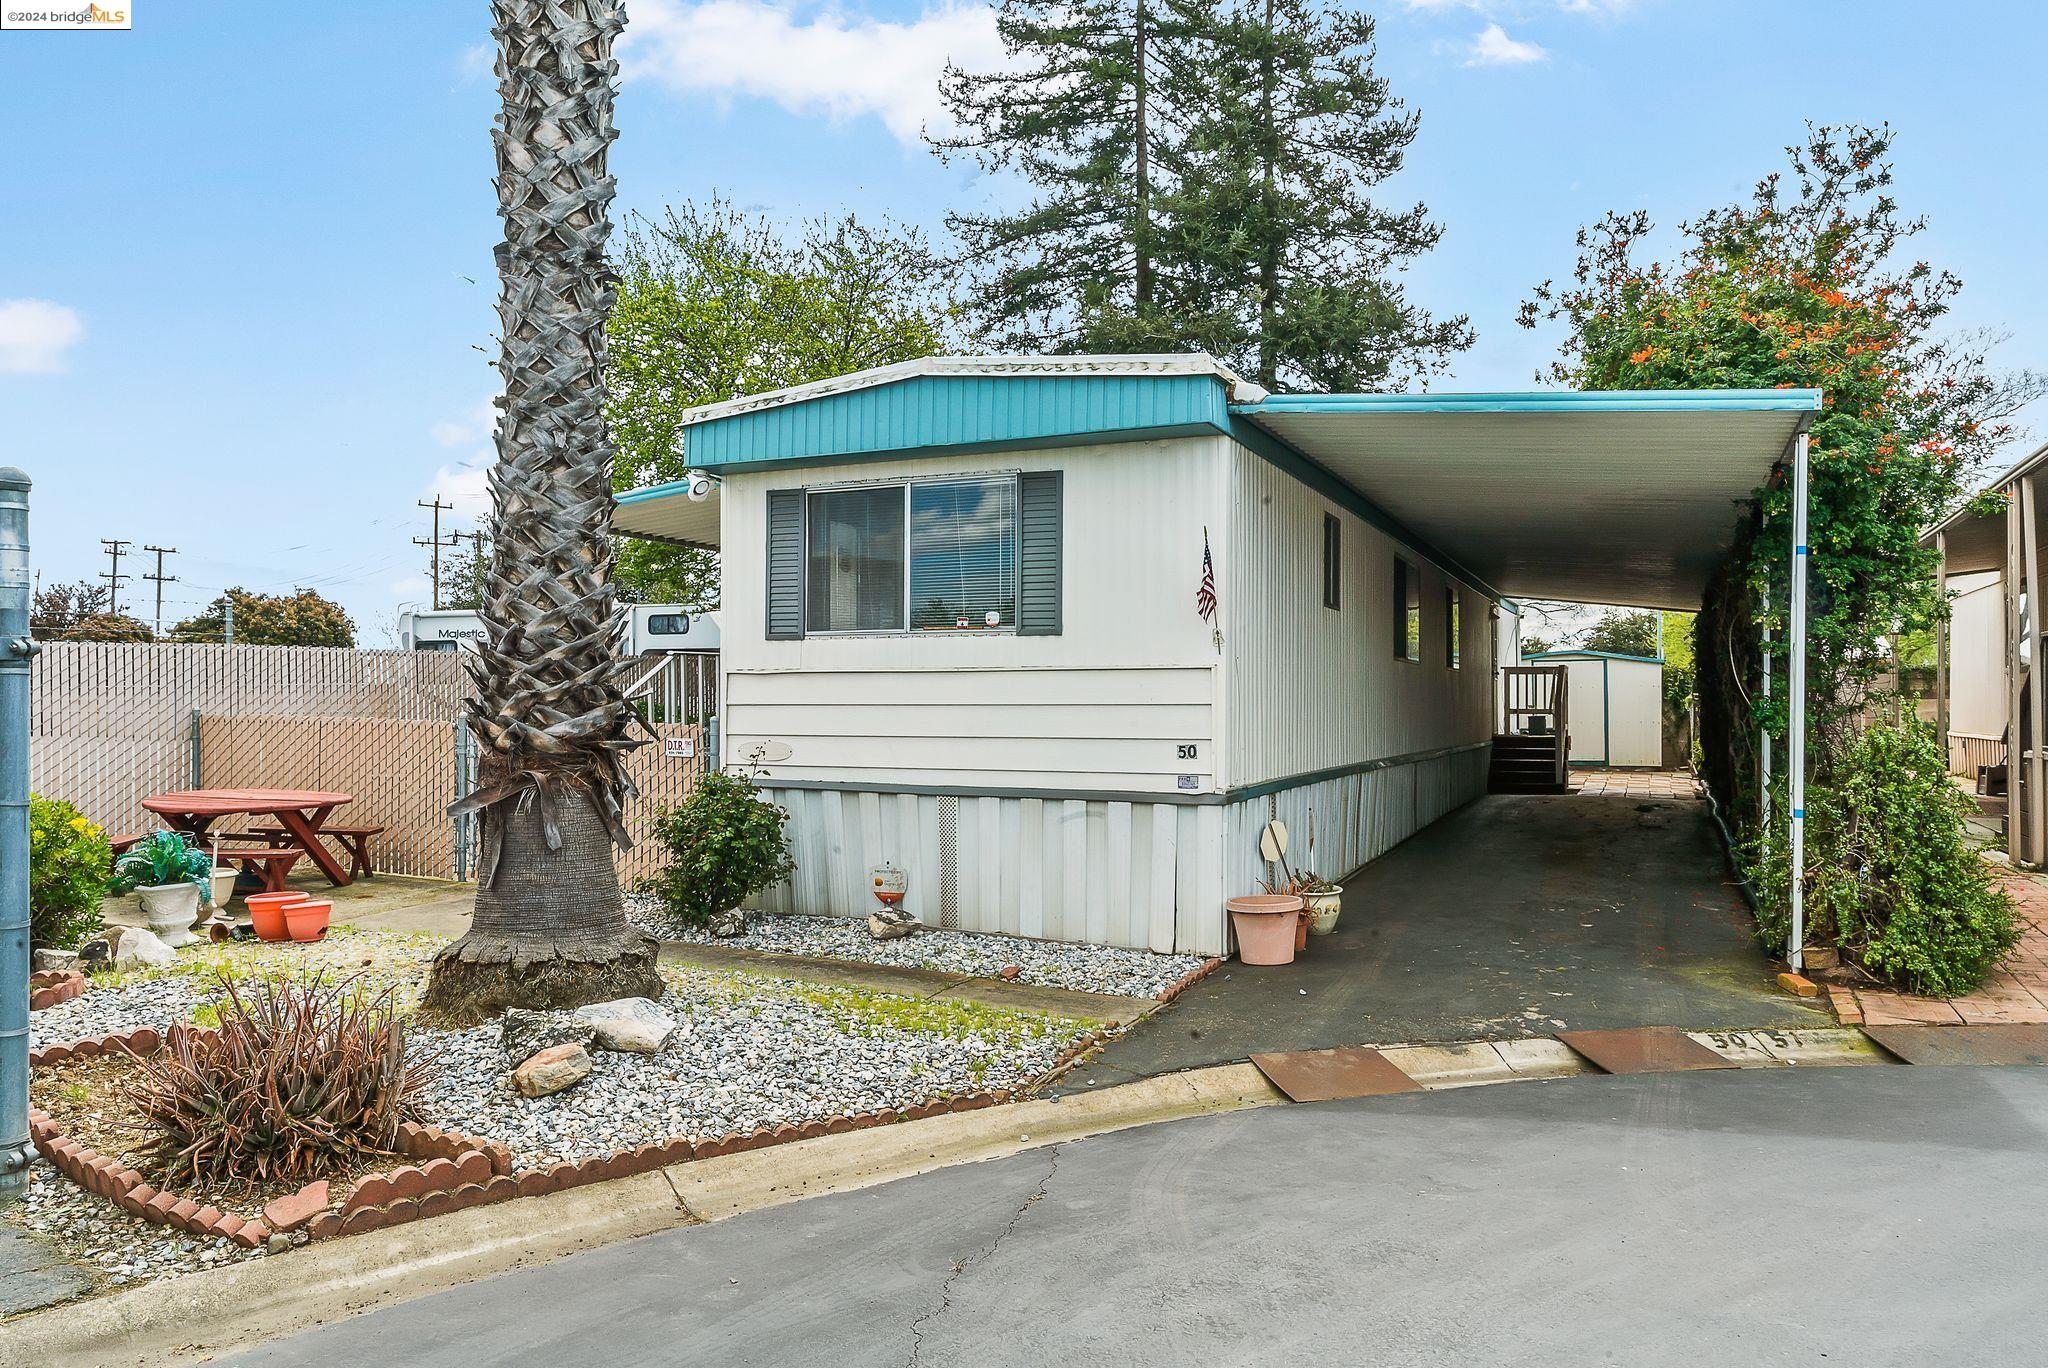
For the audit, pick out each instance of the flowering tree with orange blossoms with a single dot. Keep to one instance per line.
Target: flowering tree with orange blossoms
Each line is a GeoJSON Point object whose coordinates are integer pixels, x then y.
{"type": "Point", "coordinates": [1809, 283]}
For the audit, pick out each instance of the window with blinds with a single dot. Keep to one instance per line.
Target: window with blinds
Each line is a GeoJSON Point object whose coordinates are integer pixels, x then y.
{"type": "Point", "coordinates": [963, 555]}
{"type": "Point", "coordinates": [854, 560]}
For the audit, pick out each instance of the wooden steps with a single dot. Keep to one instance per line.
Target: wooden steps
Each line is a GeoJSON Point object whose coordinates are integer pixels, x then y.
{"type": "Point", "coordinates": [1525, 764]}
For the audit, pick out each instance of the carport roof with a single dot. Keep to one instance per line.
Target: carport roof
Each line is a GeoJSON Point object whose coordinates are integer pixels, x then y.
{"type": "Point", "coordinates": [1592, 497]}
{"type": "Point", "coordinates": [1626, 497]}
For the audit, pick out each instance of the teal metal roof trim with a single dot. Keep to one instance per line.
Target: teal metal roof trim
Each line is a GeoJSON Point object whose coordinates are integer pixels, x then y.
{"type": "Point", "coordinates": [930, 414]}
{"type": "Point", "coordinates": [1546, 401]}
{"type": "Point", "coordinates": [1594, 655]}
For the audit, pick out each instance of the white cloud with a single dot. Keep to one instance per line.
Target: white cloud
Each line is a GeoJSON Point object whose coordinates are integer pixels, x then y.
{"type": "Point", "coordinates": [477, 62]}
{"type": "Point", "coordinates": [1493, 47]}
{"type": "Point", "coordinates": [35, 334]}
{"type": "Point", "coordinates": [809, 60]}
{"type": "Point", "coordinates": [473, 426]}
{"type": "Point", "coordinates": [466, 484]}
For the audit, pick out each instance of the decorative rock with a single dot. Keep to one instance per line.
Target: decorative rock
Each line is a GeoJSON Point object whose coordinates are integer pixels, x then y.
{"type": "Point", "coordinates": [632, 1025]}
{"type": "Point", "coordinates": [891, 922]}
{"type": "Point", "coordinates": [140, 949]}
{"type": "Point", "coordinates": [726, 925]}
{"type": "Point", "coordinates": [553, 1069]}
{"type": "Point", "coordinates": [295, 1209]}
{"type": "Point", "coordinates": [55, 961]}
{"type": "Point", "coordinates": [96, 953]}
{"type": "Point", "coordinates": [1009, 972]}
{"type": "Point", "coordinates": [524, 1034]}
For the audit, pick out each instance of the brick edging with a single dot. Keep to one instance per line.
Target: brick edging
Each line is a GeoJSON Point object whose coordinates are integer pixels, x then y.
{"type": "Point", "coordinates": [459, 1171]}
{"type": "Point", "coordinates": [112, 1179]}
{"type": "Point", "coordinates": [48, 987]}
{"type": "Point", "coordinates": [1188, 980]}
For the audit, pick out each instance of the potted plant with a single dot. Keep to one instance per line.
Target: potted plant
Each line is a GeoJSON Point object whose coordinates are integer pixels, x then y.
{"type": "Point", "coordinates": [1324, 901]}
{"type": "Point", "coordinates": [171, 877]}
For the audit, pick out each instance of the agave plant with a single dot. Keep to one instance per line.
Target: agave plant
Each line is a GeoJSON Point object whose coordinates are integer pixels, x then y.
{"type": "Point", "coordinates": [167, 857]}
{"type": "Point", "coordinates": [550, 928]}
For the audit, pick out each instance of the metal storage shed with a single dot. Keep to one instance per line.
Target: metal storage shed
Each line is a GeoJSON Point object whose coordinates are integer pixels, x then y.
{"type": "Point", "coordinates": [1617, 716]}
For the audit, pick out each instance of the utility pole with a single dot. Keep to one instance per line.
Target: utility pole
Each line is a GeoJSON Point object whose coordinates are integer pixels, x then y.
{"type": "Point", "coordinates": [227, 621]}
{"type": "Point", "coordinates": [116, 548]}
{"type": "Point", "coordinates": [160, 579]}
{"type": "Point", "coordinates": [436, 542]}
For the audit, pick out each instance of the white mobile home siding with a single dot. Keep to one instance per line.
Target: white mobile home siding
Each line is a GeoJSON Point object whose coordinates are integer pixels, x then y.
{"type": "Point", "coordinates": [1103, 707]}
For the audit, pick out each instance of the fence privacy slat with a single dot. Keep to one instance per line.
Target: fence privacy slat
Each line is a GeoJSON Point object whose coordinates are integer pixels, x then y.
{"type": "Point", "coordinates": [112, 723]}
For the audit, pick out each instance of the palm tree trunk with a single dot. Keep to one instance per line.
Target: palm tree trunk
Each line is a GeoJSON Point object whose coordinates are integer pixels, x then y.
{"type": "Point", "coordinates": [550, 929]}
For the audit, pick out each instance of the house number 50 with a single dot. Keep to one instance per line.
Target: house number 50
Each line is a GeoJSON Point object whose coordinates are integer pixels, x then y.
{"type": "Point", "coordinates": [1187, 751]}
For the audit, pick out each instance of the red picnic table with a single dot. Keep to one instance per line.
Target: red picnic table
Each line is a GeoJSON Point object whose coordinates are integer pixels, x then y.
{"type": "Point", "coordinates": [300, 813]}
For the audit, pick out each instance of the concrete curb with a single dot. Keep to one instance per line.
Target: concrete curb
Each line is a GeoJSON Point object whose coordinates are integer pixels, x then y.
{"type": "Point", "coordinates": [204, 1315]}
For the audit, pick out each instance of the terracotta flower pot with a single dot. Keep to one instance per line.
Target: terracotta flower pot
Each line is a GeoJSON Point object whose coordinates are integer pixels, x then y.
{"type": "Point", "coordinates": [1266, 925]}
{"type": "Point", "coordinates": [266, 914]}
{"type": "Point", "coordinates": [307, 918]}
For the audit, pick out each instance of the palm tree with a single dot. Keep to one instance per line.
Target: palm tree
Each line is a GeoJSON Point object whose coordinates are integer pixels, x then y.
{"type": "Point", "coordinates": [550, 929]}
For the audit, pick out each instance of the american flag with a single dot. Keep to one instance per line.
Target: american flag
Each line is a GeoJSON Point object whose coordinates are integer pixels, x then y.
{"type": "Point", "coordinates": [1205, 595]}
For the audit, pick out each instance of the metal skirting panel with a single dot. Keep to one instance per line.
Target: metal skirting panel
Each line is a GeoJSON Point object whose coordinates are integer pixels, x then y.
{"type": "Point", "coordinates": [1144, 875]}
{"type": "Point", "coordinates": [1336, 825]}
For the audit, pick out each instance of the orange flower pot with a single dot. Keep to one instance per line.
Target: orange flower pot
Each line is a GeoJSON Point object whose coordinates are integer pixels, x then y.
{"type": "Point", "coordinates": [1265, 924]}
{"type": "Point", "coordinates": [307, 918]}
{"type": "Point", "coordinates": [266, 914]}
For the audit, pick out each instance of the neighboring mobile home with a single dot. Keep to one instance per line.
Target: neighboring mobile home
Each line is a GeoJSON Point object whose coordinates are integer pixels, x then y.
{"type": "Point", "coordinates": [967, 625]}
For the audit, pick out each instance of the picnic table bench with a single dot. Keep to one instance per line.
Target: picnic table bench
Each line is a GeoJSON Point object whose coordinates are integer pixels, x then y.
{"type": "Point", "coordinates": [301, 815]}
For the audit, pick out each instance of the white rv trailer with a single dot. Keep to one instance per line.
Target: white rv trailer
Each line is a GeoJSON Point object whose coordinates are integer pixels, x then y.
{"type": "Point", "coordinates": [650, 628]}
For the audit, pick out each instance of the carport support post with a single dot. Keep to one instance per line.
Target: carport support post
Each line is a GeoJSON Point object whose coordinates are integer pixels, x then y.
{"type": "Point", "coordinates": [16, 650]}
{"type": "Point", "coordinates": [1795, 745]}
{"type": "Point", "coordinates": [1763, 740]}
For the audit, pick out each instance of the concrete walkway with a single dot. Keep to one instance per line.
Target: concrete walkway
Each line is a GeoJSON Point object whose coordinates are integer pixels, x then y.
{"type": "Point", "coordinates": [1759, 1217]}
{"type": "Point", "coordinates": [1515, 916]}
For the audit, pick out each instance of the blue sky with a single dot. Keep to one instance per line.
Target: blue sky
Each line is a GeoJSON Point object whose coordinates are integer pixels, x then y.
{"type": "Point", "coordinates": [245, 273]}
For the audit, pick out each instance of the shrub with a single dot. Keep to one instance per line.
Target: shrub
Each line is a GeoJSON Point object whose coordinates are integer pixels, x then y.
{"type": "Point", "coordinates": [297, 1080]}
{"type": "Point", "coordinates": [725, 843]}
{"type": "Point", "coordinates": [1891, 880]}
{"type": "Point", "coordinates": [69, 864]}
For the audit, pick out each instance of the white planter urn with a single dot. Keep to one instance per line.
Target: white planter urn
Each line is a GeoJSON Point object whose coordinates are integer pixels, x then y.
{"type": "Point", "coordinates": [224, 877]}
{"type": "Point", "coordinates": [1323, 908]}
{"type": "Point", "coordinates": [170, 910]}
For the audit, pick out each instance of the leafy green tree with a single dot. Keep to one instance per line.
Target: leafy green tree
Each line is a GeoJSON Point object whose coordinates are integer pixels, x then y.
{"type": "Point", "coordinates": [1623, 633]}
{"type": "Point", "coordinates": [69, 864]}
{"type": "Point", "coordinates": [714, 303]}
{"type": "Point", "coordinates": [466, 568]}
{"type": "Point", "coordinates": [109, 627]}
{"type": "Point", "coordinates": [55, 611]}
{"type": "Point", "coordinates": [1809, 282]}
{"type": "Point", "coordinates": [302, 618]}
{"type": "Point", "coordinates": [1291, 263]}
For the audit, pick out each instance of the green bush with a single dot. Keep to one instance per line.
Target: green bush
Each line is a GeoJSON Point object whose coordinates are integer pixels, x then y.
{"type": "Point", "coordinates": [725, 843]}
{"type": "Point", "coordinates": [1890, 880]}
{"type": "Point", "coordinates": [69, 864]}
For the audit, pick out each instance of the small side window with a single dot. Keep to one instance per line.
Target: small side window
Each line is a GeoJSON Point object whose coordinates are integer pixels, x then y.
{"type": "Point", "coordinates": [1453, 628]}
{"type": "Point", "coordinates": [1407, 611]}
{"type": "Point", "coordinates": [1333, 560]}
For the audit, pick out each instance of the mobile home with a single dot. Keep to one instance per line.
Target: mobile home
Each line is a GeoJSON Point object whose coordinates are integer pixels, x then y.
{"type": "Point", "coordinates": [1057, 635]}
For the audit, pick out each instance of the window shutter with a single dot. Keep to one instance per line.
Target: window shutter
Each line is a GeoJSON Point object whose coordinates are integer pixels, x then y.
{"type": "Point", "coordinates": [785, 578]}
{"type": "Point", "coordinates": [1038, 553]}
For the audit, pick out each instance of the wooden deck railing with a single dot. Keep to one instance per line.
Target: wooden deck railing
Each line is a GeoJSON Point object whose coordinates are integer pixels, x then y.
{"type": "Point", "coordinates": [1533, 691]}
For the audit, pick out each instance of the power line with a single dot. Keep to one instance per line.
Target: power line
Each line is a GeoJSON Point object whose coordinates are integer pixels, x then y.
{"type": "Point", "coordinates": [436, 541]}
{"type": "Point", "coordinates": [116, 548]}
{"type": "Point", "coordinates": [160, 579]}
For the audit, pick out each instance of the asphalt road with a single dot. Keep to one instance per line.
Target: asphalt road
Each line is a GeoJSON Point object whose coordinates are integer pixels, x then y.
{"type": "Point", "coordinates": [1863, 1216]}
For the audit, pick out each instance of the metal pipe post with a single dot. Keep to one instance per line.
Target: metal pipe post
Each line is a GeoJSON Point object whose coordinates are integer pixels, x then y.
{"type": "Point", "coordinates": [16, 647]}
{"type": "Point", "coordinates": [1795, 743]}
{"type": "Point", "coordinates": [1763, 741]}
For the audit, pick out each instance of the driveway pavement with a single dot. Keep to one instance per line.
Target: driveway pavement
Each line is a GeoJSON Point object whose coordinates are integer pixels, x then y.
{"type": "Point", "coordinates": [1856, 1216]}
{"type": "Point", "coordinates": [1514, 916]}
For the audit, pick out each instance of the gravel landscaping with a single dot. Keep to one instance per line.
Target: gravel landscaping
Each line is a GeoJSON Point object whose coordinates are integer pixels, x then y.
{"type": "Point", "coordinates": [749, 1050]}
{"type": "Point", "coordinates": [1050, 964]}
